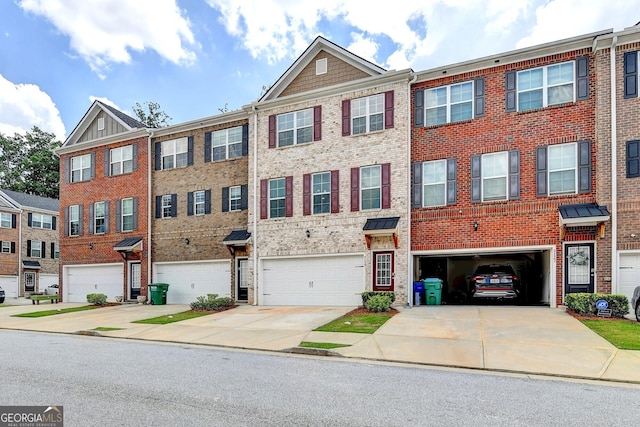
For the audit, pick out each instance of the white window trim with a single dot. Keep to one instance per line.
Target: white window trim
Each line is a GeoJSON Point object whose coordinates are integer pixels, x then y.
{"type": "Point", "coordinates": [484, 176]}
{"type": "Point", "coordinates": [545, 86]}
{"type": "Point", "coordinates": [379, 187]}
{"type": "Point", "coordinates": [100, 123]}
{"type": "Point", "coordinates": [96, 218]}
{"type": "Point", "coordinates": [232, 198]}
{"type": "Point", "coordinates": [367, 114]}
{"type": "Point", "coordinates": [123, 214]}
{"type": "Point", "coordinates": [122, 160]}
{"type": "Point", "coordinates": [574, 168]}
{"type": "Point", "coordinates": [175, 153]}
{"type": "Point", "coordinates": [226, 144]}
{"type": "Point", "coordinates": [295, 127]}
{"type": "Point", "coordinates": [56, 250]}
{"type": "Point", "coordinates": [166, 205]}
{"type": "Point", "coordinates": [74, 221]}
{"type": "Point", "coordinates": [284, 196]}
{"type": "Point", "coordinates": [197, 203]}
{"type": "Point", "coordinates": [38, 245]}
{"type": "Point", "coordinates": [5, 217]}
{"type": "Point", "coordinates": [425, 184]}
{"type": "Point", "coordinates": [41, 221]}
{"type": "Point", "coordinates": [449, 103]}
{"type": "Point", "coordinates": [6, 245]}
{"type": "Point", "coordinates": [83, 170]}
{"type": "Point", "coordinates": [313, 193]}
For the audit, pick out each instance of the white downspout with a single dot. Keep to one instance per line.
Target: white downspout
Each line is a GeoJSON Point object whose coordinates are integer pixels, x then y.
{"type": "Point", "coordinates": [20, 270]}
{"type": "Point", "coordinates": [149, 169]}
{"type": "Point", "coordinates": [254, 232]}
{"type": "Point", "coordinates": [614, 170]}
{"type": "Point", "coordinates": [409, 194]}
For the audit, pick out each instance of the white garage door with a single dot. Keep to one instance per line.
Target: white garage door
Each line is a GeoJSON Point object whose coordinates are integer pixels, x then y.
{"type": "Point", "coordinates": [331, 280]}
{"type": "Point", "coordinates": [629, 274]}
{"type": "Point", "coordinates": [189, 280]}
{"type": "Point", "coordinates": [10, 286]}
{"type": "Point", "coordinates": [93, 279]}
{"type": "Point", "coordinates": [47, 280]}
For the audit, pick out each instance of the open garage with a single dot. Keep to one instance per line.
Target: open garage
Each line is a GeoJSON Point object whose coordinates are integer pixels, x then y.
{"type": "Point", "coordinates": [533, 267]}
{"type": "Point", "coordinates": [336, 280]}
{"type": "Point", "coordinates": [189, 280]}
{"type": "Point", "coordinates": [80, 280]}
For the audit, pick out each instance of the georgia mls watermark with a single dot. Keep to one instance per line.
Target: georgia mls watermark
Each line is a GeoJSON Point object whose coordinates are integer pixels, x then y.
{"type": "Point", "coordinates": [31, 416]}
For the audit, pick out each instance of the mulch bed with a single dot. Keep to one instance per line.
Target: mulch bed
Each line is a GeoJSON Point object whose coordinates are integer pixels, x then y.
{"type": "Point", "coordinates": [362, 310]}
{"type": "Point", "coordinates": [596, 317]}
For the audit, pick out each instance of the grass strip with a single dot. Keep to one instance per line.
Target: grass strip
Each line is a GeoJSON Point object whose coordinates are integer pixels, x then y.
{"type": "Point", "coordinates": [172, 318]}
{"type": "Point", "coordinates": [324, 345]}
{"type": "Point", "coordinates": [56, 311]}
{"type": "Point", "coordinates": [359, 323]}
{"type": "Point", "coordinates": [624, 334]}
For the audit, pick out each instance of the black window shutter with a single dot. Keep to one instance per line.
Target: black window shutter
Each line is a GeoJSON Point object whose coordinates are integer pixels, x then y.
{"type": "Point", "coordinates": [346, 117]}
{"type": "Point", "coordinates": [207, 147]}
{"type": "Point", "coordinates": [135, 213]}
{"type": "Point", "coordinates": [53, 250]}
{"type": "Point", "coordinates": [13, 247]}
{"type": "Point", "coordinates": [13, 221]}
{"type": "Point", "coordinates": [190, 203]}
{"type": "Point", "coordinates": [584, 174]}
{"type": "Point", "coordinates": [416, 185]}
{"type": "Point", "coordinates": [80, 219]}
{"type": "Point", "coordinates": [134, 154]}
{"type": "Point", "coordinates": [190, 151]}
{"type": "Point", "coordinates": [510, 91]}
{"type": "Point", "coordinates": [91, 218]}
{"type": "Point", "coordinates": [478, 85]}
{"type": "Point", "coordinates": [452, 166]}
{"type": "Point", "coordinates": [633, 159]}
{"type": "Point", "coordinates": [476, 179]}
{"type": "Point", "coordinates": [30, 219]}
{"type": "Point", "coordinates": [245, 139]}
{"type": "Point", "coordinates": [158, 206]}
{"type": "Point", "coordinates": [53, 222]}
{"type": "Point", "coordinates": [582, 78]}
{"type": "Point", "coordinates": [158, 156]}
{"type": "Point", "coordinates": [118, 215]}
{"type": "Point", "coordinates": [207, 201]}
{"type": "Point", "coordinates": [541, 171]}
{"type": "Point", "coordinates": [418, 108]}
{"type": "Point", "coordinates": [107, 162]}
{"type": "Point", "coordinates": [174, 205]}
{"type": "Point", "coordinates": [65, 218]}
{"type": "Point", "coordinates": [93, 164]}
{"type": "Point", "coordinates": [225, 199]}
{"type": "Point", "coordinates": [244, 197]}
{"type": "Point", "coordinates": [43, 253]}
{"type": "Point", "coordinates": [28, 247]}
{"type": "Point", "coordinates": [317, 123]}
{"type": "Point", "coordinates": [106, 217]}
{"type": "Point", "coordinates": [631, 74]}
{"type": "Point", "coordinates": [388, 109]}
{"type": "Point", "coordinates": [514, 174]}
{"type": "Point", "coordinates": [67, 169]}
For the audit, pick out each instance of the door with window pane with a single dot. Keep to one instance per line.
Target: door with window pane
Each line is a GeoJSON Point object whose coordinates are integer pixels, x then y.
{"type": "Point", "coordinates": [383, 271]}
{"type": "Point", "coordinates": [579, 268]}
{"type": "Point", "coordinates": [134, 279]}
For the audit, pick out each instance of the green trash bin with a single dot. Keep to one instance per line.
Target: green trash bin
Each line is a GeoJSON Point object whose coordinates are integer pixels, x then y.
{"type": "Point", "coordinates": [433, 290]}
{"type": "Point", "coordinates": [158, 293]}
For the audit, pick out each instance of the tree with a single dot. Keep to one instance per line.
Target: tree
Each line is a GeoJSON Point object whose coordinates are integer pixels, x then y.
{"type": "Point", "coordinates": [152, 116]}
{"type": "Point", "coordinates": [28, 163]}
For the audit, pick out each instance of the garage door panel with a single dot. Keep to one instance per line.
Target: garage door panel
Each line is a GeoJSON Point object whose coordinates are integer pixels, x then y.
{"type": "Point", "coordinates": [10, 286]}
{"type": "Point", "coordinates": [188, 281]}
{"type": "Point", "coordinates": [47, 280]}
{"type": "Point", "coordinates": [99, 279]}
{"type": "Point", "coordinates": [332, 280]}
{"type": "Point", "coordinates": [629, 274]}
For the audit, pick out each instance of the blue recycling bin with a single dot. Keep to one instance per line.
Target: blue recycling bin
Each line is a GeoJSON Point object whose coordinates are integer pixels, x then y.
{"type": "Point", "coordinates": [418, 293]}
{"type": "Point", "coordinates": [433, 290]}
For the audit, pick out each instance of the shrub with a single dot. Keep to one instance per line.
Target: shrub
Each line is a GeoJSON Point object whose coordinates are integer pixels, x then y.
{"type": "Point", "coordinates": [378, 303]}
{"type": "Point", "coordinates": [368, 294]}
{"type": "Point", "coordinates": [585, 303]}
{"type": "Point", "coordinates": [212, 302]}
{"type": "Point", "coordinates": [97, 299]}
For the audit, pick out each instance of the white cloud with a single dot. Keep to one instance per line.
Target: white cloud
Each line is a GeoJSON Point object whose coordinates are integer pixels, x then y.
{"type": "Point", "coordinates": [106, 32]}
{"type": "Point", "coordinates": [105, 101]}
{"type": "Point", "coordinates": [23, 106]}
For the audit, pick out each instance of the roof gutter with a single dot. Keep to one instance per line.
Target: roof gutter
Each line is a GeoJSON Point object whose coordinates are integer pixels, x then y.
{"type": "Point", "coordinates": [409, 193]}
{"type": "Point", "coordinates": [150, 134]}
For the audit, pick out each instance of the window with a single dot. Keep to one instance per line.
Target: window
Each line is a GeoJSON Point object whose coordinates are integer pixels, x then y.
{"type": "Point", "coordinates": [198, 202]}
{"type": "Point", "coordinates": [121, 160]}
{"type": "Point", "coordinates": [99, 217]}
{"type": "Point", "coordinates": [41, 221]}
{"type": "Point", "coordinates": [6, 247]}
{"type": "Point", "coordinates": [166, 206]}
{"type": "Point", "coordinates": [175, 153]}
{"type": "Point", "coordinates": [6, 220]}
{"type": "Point", "coordinates": [277, 194]}
{"type": "Point", "coordinates": [495, 176]}
{"type": "Point", "coordinates": [35, 248]}
{"type": "Point", "coordinates": [544, 86]}
{"type": "Point", "coordinates": [434, 181]}
{"type": "Point", "coordinates": [235, 198]}
{"type": "Point", "coordinates": [227, 143]}
{"type": "Point", "coordinates": [370, 187]}
{"type": "Point", "coordinates": [367, 114]}
{"type": "Point", "coordinates": [562, 168]}
{"type": "Point", "coordinates": [295, 128]}
{"type": "Point", "coordinates": [81, 168]}
{"type": "Point", "coordinates": [74, 220]}
{"type": "Point", "coordinates": [633, 159]}
{"type": "Point", "coordinates": [56, 250]}
{"type": "Point", "coordinates": [101, 123]}
{"type": "Point", "coordinates": [127, 214]}
{"type": "Point", "coordinates": [449, 104]}
{"type": "Point", "coordinates": [631, 75]}
{"type": "Point", "coordinates": [321, 189]}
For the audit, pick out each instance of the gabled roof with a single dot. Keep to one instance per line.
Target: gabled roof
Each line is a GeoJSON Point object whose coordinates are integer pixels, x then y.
{"type": "Point", "coordinates": [320, 44]}
{"type": "Point", "coordinates": [127, 122]}
{"type": "Point", "coordinates": [22, 201]}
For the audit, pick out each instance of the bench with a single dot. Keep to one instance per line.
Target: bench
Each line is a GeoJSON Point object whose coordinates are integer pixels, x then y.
{"type": "Point", "coordinates": [35, 299]}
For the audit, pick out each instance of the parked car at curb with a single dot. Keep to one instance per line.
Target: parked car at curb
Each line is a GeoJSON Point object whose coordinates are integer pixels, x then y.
{"type": "Point", "coordinates": [495, 281]}
{"type": "Point", "coordinates": [635, 302]}
{"type": "Point", "coordinates": [1, 295]}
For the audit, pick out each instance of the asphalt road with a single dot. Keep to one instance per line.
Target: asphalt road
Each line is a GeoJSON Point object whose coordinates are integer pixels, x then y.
{"type": "Point", "coordinates": [109, 382]}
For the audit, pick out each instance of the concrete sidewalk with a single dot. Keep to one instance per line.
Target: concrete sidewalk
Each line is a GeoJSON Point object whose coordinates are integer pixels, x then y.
{"type": "Point", "coordinates": [533, 340]}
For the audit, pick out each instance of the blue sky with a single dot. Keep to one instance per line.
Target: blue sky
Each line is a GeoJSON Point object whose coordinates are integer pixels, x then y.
{"type": "Point", "coordinates": [194, 57]}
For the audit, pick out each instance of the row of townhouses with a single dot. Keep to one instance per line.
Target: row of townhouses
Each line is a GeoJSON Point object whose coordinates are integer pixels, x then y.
{"type": "Point", "coordinates": [346, 177]}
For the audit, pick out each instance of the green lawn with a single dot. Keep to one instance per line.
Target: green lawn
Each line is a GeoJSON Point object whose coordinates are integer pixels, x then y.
{"type": "Point", "coordinates": [624, 334]}
{"type": "Point", "coordinates": [324, 345]}
{"type": "Point", "coordinates": [171, 318]}
{"type": "Point", "coordinates": [56, 311]}
{"type": "Point", "coordinates": [366, 323]}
